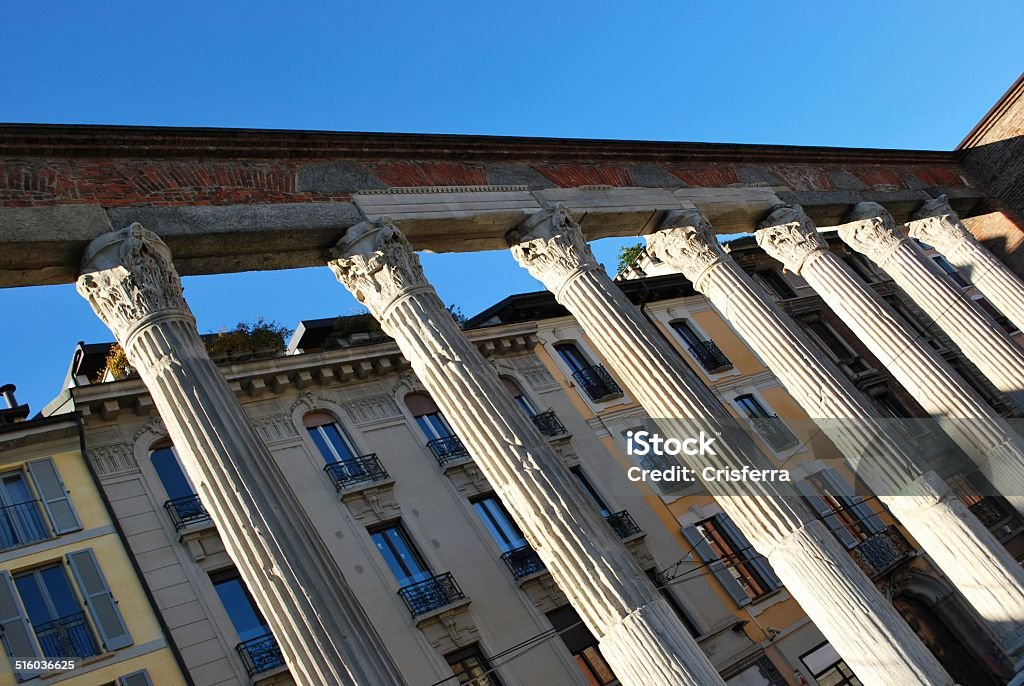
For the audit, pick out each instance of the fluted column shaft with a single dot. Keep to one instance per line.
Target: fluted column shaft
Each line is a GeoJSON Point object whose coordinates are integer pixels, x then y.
{"type": "Point", "coordinates": [643, 640]}
{"type": "Point", "coordinates": [130, 282]}
{"type": "Point", "coordinates": [790, 236]}
{"type": "Point", "coordinates": [963, 548]}
{"type": "Point", "coordinates": [872, 231]}
{"type": "Point", "coordinates": [817, 571]}
{"type": "Point", "coordinates": [938, 225]}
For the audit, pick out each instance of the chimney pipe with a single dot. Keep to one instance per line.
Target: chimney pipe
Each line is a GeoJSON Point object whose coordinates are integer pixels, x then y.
{"type": "Point", "coordinates": [7, 391]}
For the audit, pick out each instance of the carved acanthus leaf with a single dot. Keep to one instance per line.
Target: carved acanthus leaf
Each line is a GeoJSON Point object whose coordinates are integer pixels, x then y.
{"type": "Point", "coordinates": [688, 243]}
{"type": "Point", "coordinates": [938, 225]}
{"type": "Point", "coordinates": [789, 235]}
{"type": "Point", "coordinates": [377, 264]}
{"type": "Point", "coordinates": [127, 275]}
{"type": "Point", "coordinates": [551, 246]}
{"type": "Point", "coordinates": [872, 232]}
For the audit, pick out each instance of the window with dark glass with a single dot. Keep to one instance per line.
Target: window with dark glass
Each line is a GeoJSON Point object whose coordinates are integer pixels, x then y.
{"type": "Point", "coordinates": [428, 416]}
{"type": "Point", "coordinates": [686, 332]}
{"type": "Point", "coordinates": [572, 356]}
{"type": "Point", "coordinates": [952, 272]}
{"type": "Point", "coordinates": [583, 646]}
{"type": "Point", "coordinates": [55, 613]}
{"type": "Point", "coordinates": [330, 439]}
{"type": "Point", "coordinates": [499, 523]}
{"type": "Point", "coordinates": [740, 569]}
{"type": "Point", "coordinates": [591, 492]}
{"type": "Point", "coordinates": [172, 476]}
{"type": "Point", "coordinates": [836, 346]}
{"type": "Point", "coordinates": [776, 283]}
{"type": "Point", "coordinates": [470, 666]}
{"type": "Point", "coordinates": [401, 556]}
{"type": "Point", "coordinates": [860, 268]}
{"type": "Point", "coordinates": [846, 514]}
{"type": "Point", "coordinates": [241, 609]}
{"type": "Point", "coordinates": [21, 519]}
{"type": "Point", "coordinates": [997, 316]}
{"type": "Point", "coordinates": [519, 396]}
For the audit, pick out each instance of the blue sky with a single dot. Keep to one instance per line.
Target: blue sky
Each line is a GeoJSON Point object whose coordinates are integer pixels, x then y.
{"type": "Point", "coordinates": [903, 75]}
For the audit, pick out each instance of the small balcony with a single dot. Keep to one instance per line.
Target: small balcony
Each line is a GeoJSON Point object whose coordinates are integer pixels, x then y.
{"type": "Point", "coordinates": [364, 469]}
{"type": "Point", "coordinates": [432, 594]}
{"type": "Point", "coordinates": [21, 524]}
{"type": "Point", "coordinates": [186, 511]}
{"type": "Point", "coordinates": [68, 636]}
{"type": "Point", "coordinates": [260, 654]}
{"type": "Point", "coordinates": [523, 562]}
{"type": "Point", "coordinates": [990, 511]}
{"type": "Point", "coordinates": [447, 449]}
{"type": "Point", "coordinates": [623, 525]}
{"type": "Point", "coordinates": [597, 383]}
{"type": "Point", "coordinates": [549, 424]}
{"type": "Point", "coordinates": [710, 356]}
{"type": "Point", "coordinates": [775, 432]}
{"type": "Point", "coordinates": [881, 552]}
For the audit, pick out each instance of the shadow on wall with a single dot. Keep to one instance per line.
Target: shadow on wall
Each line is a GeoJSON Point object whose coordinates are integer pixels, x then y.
{"type": "Point", "coordinates": [999, 168]}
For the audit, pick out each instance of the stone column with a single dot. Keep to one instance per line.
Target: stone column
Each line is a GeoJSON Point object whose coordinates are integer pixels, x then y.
{"type": "Point", "coordinates": [939, 226]}
{"type": "Point", "coordinates": [967, 552]}
{"type": "Point", "coordinates": [643, 640]}
{"type": "Point", "coordinates": [816, 569]}
{"type": "Point", "coordinates": [872, 231]}
{"type": "Point", "coordinates": [130, 282]}
{"type": "Point", "coordinates": [790, 236]}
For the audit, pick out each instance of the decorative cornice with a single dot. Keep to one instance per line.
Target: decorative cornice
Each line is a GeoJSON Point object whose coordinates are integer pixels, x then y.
{"type": "Point", "coordinates": [789, 235]}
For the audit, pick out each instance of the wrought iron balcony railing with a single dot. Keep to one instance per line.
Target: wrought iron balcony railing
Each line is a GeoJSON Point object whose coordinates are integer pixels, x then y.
{"type": "Point", "coordinates": [881, 551]}
{"type": "Point", "coordinates": [260, 654]}
{"type": "Point", "coordinates": [990, 511]}
{"type": "Point", "coordinates": [775, 431]}
{"type": "Point", "coordinates": [21, 524]}
{"type": "Point", "coordinates": [523, 561]}
{"type": "Point", "coordinates": [68, 636]}
{"type": "Point", "coordinates": [186, 510]}
{"type": "Point", "coordinates": [597, 382]}
{"type": "Point", "coordinates": [447, 449]}
{"type": "Point", "coordinates": [549, 424]}
{"type": "Point", "coordinates": [431, 594]}
{"type": "Point", "coordinates": [623, 525]}
{"type": "Point", "coordinates": [362, 469]}
{"type": "Point", "coordinates": [710, 356]}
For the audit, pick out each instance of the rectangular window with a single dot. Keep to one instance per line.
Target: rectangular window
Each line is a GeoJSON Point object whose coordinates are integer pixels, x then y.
{"type": "Point", "coordinates": [686, 332]}
{"type": "Point", "coordinates": [401, 556]}
{"type": "Point", "coordinates": [55, 613]}
{"type": "Point", "coordinates": [434, 425]}
{"type": "Point", "coordinates": [846, 514]}
{"type": "Point", "coordinates": [743, 573]}
{"type": "Point", "coordinates": [835, 346]}
{"type": "Point", "coordinates": [996, 315]}
{"type": "Point", "coordinates": [776, 283]}
{"type": "Point", "coordinates": [499, 523]}
{"type": "Point", "coordinates": [952, 272]}
{"type": "Point", "coordinates": [771, 428]}
{"type": "Point", "coordinates": [245, 616]}
{"type": "Point", "coordinates": [860, 268]}
{"type": "Point", "coordinates": [591, 492]}
{"type": "Point", "coordinates": [572, 356]}
{"type": "Point", "coordinates": [828, 668]}
{"type": "Point", "coordinates": [583, 646]}
{"type": "Point", "coordinates": [470, 666]}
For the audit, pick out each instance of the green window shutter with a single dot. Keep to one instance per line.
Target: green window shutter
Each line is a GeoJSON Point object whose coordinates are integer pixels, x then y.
{"type": "Point", "coordinates": [105, 615]}
{"type": "Point", "coordinates": [717, 567]}
{"type": "Point", "coordinates": [140, 678]}
{"type": "Point", "coordinates": [18, 635]}
{"type": "Point", "coordinates": [55, 498]}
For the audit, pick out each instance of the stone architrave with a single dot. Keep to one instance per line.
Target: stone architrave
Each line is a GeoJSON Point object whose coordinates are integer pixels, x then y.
{"type": "Point", "coordinates": [872, 231]}
{"type": "Point", "coordinates": [790, 236]}
{"type": "Point", "coordinates": [639, 634]}
{"type": "Point", "coordinates": [129, 280]}
{"type": "Point", "coordinates": [859, 622]}
{"type": "Point", "coordinates": [967, 552]}
{"type": "Point", "coordinates": [938, 225]}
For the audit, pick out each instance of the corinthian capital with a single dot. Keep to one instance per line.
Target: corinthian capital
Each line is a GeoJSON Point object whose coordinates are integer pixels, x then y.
{"type": "Point", "coordinates": [938, 225]}
{"type": "Point", "coordinates": [872, 232]}
{"type": "Point", "coordinates": [687, 242]}
{"type": "Point", "coordinates": [551, 246]}
{"type": "Point", "coordinates": [377, 264]}
{"type": "Point", "coordinates": [128, 275]}
{"type": "Point", "coordinates": [789, 235]}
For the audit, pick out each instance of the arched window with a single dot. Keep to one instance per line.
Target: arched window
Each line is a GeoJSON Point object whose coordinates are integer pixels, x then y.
{"type": "Point", "coordinates": [168, 469]}
{"type": "Point", "coordinates": [330, 439]}
{"type": "Point", "coordinates": [520, 397]}
{"type": "Point", "coordinates": [428, 415]}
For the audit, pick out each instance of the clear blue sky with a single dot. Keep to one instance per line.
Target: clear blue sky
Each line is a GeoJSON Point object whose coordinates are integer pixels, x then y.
{"type": "Point", "coordinates": [892, 74]}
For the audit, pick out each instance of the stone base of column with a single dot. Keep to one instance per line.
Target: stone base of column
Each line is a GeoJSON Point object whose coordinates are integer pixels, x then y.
{"type": "Point", "coordinates": [654, 626]}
